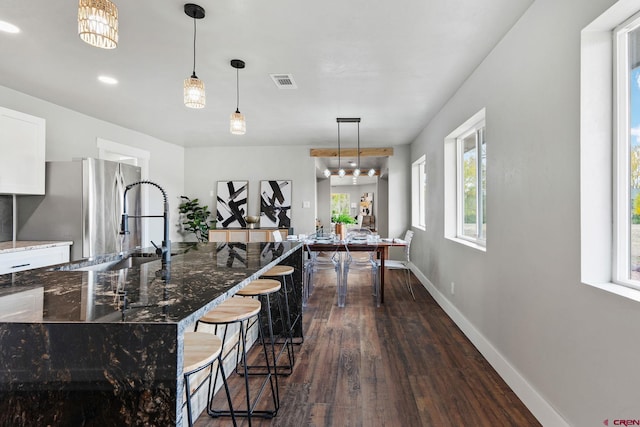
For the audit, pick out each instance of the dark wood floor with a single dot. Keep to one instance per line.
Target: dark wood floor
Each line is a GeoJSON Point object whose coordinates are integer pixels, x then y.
{"type": "Point", "coordinates": [403, 364]}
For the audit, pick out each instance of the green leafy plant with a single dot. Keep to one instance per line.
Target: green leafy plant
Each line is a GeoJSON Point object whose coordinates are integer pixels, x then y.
{"type": "Point", "coordinates": [196, 218]}
{"type": "Point", "coordinates": [343, 219]}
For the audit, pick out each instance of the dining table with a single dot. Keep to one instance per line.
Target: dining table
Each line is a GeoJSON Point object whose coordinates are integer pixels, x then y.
{"type": "Point", "coordinates": [380, 246]}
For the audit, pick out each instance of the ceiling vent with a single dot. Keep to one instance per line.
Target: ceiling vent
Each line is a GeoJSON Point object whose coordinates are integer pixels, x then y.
{"type": "Point", "coordinates": [284, 81]}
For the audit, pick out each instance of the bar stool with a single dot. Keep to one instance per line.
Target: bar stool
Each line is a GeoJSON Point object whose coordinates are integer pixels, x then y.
{"type": "Point", "coordinates": [282, 273]}
{"type": "Point", "coordinates": [238, 310]}
{"type": "Point", "coordinates": [264, 288]}
{"type": "Point", "coordinates": [200, 351]}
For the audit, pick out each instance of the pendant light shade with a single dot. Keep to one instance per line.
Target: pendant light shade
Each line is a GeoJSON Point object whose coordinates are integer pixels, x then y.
{"type": "Point", "coordinates": [194, 94]}
{"type": "Point", "coordinates": [98, 23]}
{"type": "Point", "coordinates": [238, 125]}
{"type": "Point", "coordinates": [371, 172]}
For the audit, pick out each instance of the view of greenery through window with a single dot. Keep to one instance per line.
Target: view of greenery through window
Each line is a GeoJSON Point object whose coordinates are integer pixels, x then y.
{"type": "Point", "coordinates": [340, 204]}
{"type": "Point", "coordinates": [473, 202]}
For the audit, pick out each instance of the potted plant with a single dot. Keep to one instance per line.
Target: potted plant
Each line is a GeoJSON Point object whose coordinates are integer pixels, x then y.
{"type": "Point", "coordinates": [340, 221]}
{"type": "Point", "coordinates": [196, 218]}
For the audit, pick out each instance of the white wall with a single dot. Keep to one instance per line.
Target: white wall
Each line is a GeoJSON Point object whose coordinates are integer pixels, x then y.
{"type": "Point", "coordinates": [398, 219]}
{"type": "Point", "coordinates": [568, 349]}
{"type": "Point", "coordinates": [205, 166]}
{"type": "Point", "coordinates": [323, 207]}
{"type": "Point", "coordinates": [71, 135]}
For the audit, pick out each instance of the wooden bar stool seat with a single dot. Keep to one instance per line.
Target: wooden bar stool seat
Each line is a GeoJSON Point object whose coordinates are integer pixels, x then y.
{"type": "Point", "coordinates": [237, 310]}
{"type": "Point", "coordinates": [200, 351]}
{"type": "Point", "coordinates": [232, 310]}
{"type": "Point", "coordinates": [279, 270]}
{"type": "Point", "coordinates": [260, 287]}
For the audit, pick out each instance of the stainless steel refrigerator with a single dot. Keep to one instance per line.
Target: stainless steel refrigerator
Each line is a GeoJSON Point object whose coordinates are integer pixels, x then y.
{"type": "Point", "coordinates": [83, 203]}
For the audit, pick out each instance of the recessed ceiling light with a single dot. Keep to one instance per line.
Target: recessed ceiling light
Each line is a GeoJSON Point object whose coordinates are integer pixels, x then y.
{"type": "Point", "coordinates": [108, 80]}
{"type": "Point", "coordinates": [8, 27]}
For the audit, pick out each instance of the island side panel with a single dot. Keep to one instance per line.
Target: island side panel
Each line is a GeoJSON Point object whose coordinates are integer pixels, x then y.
{"type": "Point", "coordinates": [293, 295]}
{"type": "Point", "coordinates": [88, 374]}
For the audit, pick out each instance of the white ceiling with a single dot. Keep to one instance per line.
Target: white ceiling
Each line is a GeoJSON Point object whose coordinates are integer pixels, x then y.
{"type": "Point", "coordinates": [391, 63]}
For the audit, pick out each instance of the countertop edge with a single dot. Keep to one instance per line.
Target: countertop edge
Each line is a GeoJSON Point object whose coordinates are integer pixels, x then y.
{"type": "Point", "coordinates": [28, 245]}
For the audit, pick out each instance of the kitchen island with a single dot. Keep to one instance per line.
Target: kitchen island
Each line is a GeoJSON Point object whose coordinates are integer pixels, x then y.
{"type": "Point", "coordinates": [108, 347]}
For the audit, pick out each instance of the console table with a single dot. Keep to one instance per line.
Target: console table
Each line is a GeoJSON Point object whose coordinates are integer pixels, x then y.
{"type": "Point", "coordinates": [245, 234]}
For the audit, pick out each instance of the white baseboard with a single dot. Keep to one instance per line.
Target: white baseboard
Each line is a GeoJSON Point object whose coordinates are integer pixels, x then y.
{"type": "Point", "coordinates": [538, 406]}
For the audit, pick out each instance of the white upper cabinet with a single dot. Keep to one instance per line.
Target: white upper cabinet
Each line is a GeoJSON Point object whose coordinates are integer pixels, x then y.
{"type": "Point", "coordinates": [22, 153]}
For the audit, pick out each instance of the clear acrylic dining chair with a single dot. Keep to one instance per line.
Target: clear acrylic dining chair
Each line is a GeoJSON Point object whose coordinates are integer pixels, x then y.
{"type": "Point", "coordinates": [360, 261]}
{"type": "Point", "coordinates": [324, 260]}
{"type": "Point", "coordinates": [403, 264]}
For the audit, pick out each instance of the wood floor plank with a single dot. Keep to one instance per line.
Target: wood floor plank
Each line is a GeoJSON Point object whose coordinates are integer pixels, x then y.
{"type": "Point", "coordinates": [403, 364]}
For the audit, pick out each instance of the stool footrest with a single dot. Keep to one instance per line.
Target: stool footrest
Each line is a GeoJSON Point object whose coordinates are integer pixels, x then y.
{"type": "Point", "coordinates": [262, 414]}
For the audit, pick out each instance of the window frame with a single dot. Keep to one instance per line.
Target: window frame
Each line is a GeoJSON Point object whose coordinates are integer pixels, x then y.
{"type": "Point", "coordinates": [453, 170]}
{"type": "Point", "coordinates": [621, 209]}
{"type": "Point", "coordinates": [597, 146]}
{"type": "Point", "coordinates": [478, 130]}
{"type": "Point", "coordinates": [419, 193]}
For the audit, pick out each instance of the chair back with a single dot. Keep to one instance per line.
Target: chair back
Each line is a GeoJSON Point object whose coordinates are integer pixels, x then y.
{"type": "Point", "coordinates": [358, 232]}
{"type": "Point", "coordinates": [277, 237]}
{"type": "Point", "coordinates": [407, 238]}
{"type": "Point", "coordinates": [359, 257]}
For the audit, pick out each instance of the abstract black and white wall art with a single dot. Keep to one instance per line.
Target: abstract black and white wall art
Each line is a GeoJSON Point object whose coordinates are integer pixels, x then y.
{"type": "Point", "coordinates": [275, 204]}
{"type": "Point", "coordinates": [232, 203]}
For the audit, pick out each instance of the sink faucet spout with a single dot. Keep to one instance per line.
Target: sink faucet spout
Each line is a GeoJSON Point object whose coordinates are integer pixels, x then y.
{"type": "Point", "coordinates": [165, 249]}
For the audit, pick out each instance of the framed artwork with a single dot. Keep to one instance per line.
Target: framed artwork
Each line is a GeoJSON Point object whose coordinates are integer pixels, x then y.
{"type": "Point", "coordinates": [275, 204]}
{"type": "Point", "coordinates": [366, 204]}
{"type": "Point", "coordinates": [232, 203]}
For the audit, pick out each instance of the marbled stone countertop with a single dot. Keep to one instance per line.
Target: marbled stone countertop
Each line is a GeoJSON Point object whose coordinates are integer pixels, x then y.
{"type": "Point", "coordinates": [27, 245]}
{"type": "Point", "coordinates": [199, 277]}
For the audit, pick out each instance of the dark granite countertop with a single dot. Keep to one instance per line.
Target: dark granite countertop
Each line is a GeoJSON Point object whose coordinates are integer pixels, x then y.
{"type": "Point", "coordinates": [199, 277]}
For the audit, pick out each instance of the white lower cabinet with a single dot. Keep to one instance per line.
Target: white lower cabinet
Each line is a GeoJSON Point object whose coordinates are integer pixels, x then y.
{"type": "Point", "coordinates": [12, 262]}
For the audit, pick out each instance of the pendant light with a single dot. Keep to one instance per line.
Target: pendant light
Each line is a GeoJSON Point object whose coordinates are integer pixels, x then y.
{"type": "Point", "coordinates": [371, 172]}
{"type": "Point", "coordinates": [238, 125]}
{"type": "Point", "coordinates": [98, 23]}
{"type": "Point", "coordinates": [194, 96]}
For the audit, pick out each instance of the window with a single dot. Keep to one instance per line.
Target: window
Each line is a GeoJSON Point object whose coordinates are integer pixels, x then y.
{"type": "Point", "coordinates": [472, 184]}
{"type": "Point", "coordinates": [419, 193]}
{"type": "Point", "coordinates": [627, 154]}
{"type": "Point", "coordinates": [340, 204]}
{"type": "Point", "coordinates": [609, 174]}
{"type": "Point", "coordinates": [466, 183]}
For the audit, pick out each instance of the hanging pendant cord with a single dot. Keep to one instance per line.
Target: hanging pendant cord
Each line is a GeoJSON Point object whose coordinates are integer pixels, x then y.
{"type": "Point", "coordinates": [338, 145]}
{"type": "Point", "coordinates": [237, 91]}
{"type": "Point", "coordinates": [194, 48]}
{"type": "Point", "coordinates": [358, 145]}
